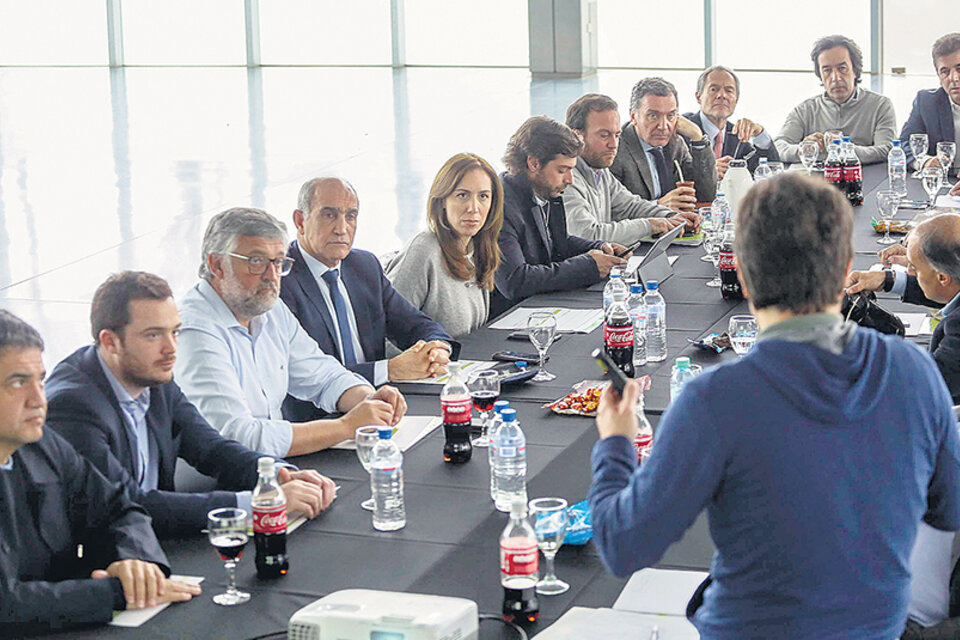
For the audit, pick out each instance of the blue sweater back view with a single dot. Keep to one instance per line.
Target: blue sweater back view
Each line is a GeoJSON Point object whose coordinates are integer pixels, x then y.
{"type": "Point", "coordinates": [815, 469]}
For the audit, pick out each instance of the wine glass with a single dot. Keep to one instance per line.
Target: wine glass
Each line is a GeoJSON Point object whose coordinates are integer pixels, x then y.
{"type": "Point", "coordinates": [932, 179]}
{"type": "Point", "coordinates": [711, 244]}
{"type": "Point", "coordinates": [542, 328]}
{"type": "Point", "coordinates": [365, 438]}
{"type": "Point", "coordinates": [887, 202]}
{"type": "Point", "coordinates": [484, 389]}
{"type": "Point", "coordinates": [809, 152]}
{"type": "Point", "coordinates": [946, 152]}
{"type": "Point", "coordinates": [743, 333]}
{"type": "Point", "coordinates": [919, 144]}
{"type": "Point", "coordinates": [227, 531]}
{"type": "Point", "coordinates": [550, 524]}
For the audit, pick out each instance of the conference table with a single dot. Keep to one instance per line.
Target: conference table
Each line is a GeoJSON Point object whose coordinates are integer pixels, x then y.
{"type": "Point", "coordinates": [450, 543]}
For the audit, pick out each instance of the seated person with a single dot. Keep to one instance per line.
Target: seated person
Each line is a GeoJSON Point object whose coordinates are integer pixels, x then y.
{"type": "Point", "coordinates": [655, 142]}
{"type": "Point", "coordinates": [53, 500]}
{"type": "Point", "coordinates": [933, 256]}
{"type": "Point", "coordinates": [116, 402]}
{"type": "Point", "coordinates": [344, 301]}
{"type": "Point", "coordinates": [865, 116]}
{"type": "Point", "coordinates": [537, 253]}
{"type": "Point", "coordinates": [812, 537]}
{"type": "Point", "coordinates": [936, 112]}
{"type": "Point", "coordinates": [447, 271]}
{"type": "Point", "coordinates": [598, 206]}
{"type": "Point", "coordinates": [718, 91]}
{"type": "Point", "coordinates": [242, 351]}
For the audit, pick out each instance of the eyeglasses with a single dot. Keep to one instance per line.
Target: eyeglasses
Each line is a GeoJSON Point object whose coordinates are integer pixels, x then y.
{"type": "Point", "coordinates": [257, 265]}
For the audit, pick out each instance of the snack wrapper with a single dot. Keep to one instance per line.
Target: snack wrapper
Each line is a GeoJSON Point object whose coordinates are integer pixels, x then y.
{"type": "Point", "coordinates": [715, 342]}
{"type": "Point", "coordinates": [580, 529]}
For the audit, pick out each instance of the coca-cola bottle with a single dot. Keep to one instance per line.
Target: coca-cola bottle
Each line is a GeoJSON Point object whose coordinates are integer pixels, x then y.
{"type": "Point", "coordinates": [852, 173]}
{"type": "Point", "coordinates": [833, 167]}
{"type": "Point", "coordinates": [519, 567]}
{"type": "Point", "coordinates": [618, 336]}
{"type": "Point", "coordinates": [270, 522]}
{"type": "Point", "coordinates": [729, 285]}
{"type": "Point", "coordinates": [456, 405]}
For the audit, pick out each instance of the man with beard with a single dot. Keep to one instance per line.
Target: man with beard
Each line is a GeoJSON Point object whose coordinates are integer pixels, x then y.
{"type": "Point", "coordinates": [242, 350]}
{"type": "Point", "coordinates": [116, 402]}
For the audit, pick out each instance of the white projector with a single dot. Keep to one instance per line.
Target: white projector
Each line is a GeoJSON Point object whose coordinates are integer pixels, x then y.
{"type": "Point", "coordinates": [363, 614]}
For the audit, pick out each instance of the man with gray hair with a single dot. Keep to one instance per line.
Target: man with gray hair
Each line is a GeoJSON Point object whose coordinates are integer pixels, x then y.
{"type": "Point", "coordinates": [718, 91]}
{"type": "Point", "coordinates": [653, 156]}
{"type": "Point", "coordinates": [242, 351]}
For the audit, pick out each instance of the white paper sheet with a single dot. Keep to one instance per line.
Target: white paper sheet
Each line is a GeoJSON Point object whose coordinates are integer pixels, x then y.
{"type": "Point", "coordinates": [410, 431]}
{"type": "Point", "coordinates": [136, 617]}
{"type": "Point", "coordinates": [947, 202]}
{"type": "Point", "coordinates": [659, 591]}
{"type": "Point", "coordinates": [467, 369]}
{"type": "Point", "coordinates": [581, 622]}
{"type": "Point", "coordinates": [568, 320]}
{"type": "Point", "coordinates": [916, 324]}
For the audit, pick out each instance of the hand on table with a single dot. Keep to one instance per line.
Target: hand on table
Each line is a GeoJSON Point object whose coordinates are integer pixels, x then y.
{"type": "Point", "coordinates": [818, 138]}
{"type": "Point", "coordinates": [662, 225]}
{"type": "Point", "coordinates": [616, 414]}
{"type": "Point", "coordinates": [307, 491]}
{"type": "Point", "coordinates": [614, 249]}
{"type": "Point", "coordinates": [605, 261]}
{"type": "Point", "coordinates": [393, 397]}
{"type": "Point", "coordinates": [422, 360]}
{"type": "Point", "coordinates": [690, 220]}
{"type": "Point", "coordinates": [144, 584]}
{"type": "Point", "coordinates": [680, 199]}
{"type": "Point", "coordinates": [955, 191]}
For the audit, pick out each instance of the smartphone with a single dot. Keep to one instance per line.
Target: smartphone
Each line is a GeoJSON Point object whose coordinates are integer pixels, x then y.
{"type": "Point", "coordinates": [617, 378]}
{"type": "Point", "coordinates": [629, 249]}
{"type": "Point", "coordinates": [515, 356]}
{"type": "Point", "coordinates": [525, 336]}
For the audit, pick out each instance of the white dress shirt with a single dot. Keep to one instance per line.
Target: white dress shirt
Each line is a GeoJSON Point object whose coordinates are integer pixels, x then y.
{"type": "Point", "coordinates": [238, 379]}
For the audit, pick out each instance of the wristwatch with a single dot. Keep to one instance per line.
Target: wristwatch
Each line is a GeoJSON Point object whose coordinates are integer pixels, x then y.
{"type": "Point", "coordinates": [888, 279]}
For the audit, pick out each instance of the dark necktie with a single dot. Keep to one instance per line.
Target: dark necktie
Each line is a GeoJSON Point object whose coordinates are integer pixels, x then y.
{"type": "Point", "coordinates": [340, 306]}
{"type": "Point", "coordinates": [545, 214]}
{"type": "Point", "coordinates": [666, 184]}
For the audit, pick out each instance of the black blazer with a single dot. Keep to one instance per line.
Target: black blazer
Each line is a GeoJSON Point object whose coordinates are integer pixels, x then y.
{"type": "Point", "coordinates": [71, 503]}
{"type": "Point", "coordinates": [84, 409]}
{"type": "Point", "coordinates": [931, 114]}
{"type": "Point", "coordinates": [730, 145]}
{"type": "Point", "coordinates": [945, 342]}
{"type": "Point", "coordinates": [531, 263]}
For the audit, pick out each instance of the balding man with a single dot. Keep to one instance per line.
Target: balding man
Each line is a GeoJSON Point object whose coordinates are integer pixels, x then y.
{"type": "Point", "coordinates": [933, 279]}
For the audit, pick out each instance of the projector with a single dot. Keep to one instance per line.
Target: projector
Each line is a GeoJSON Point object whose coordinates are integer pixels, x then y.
{"type": "Point", "coordinates": [363, 614]}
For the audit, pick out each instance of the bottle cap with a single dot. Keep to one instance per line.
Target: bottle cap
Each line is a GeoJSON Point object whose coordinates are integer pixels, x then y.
{"type": "Point", "coordinates": [683, 362]}
{"type": "Point", "coordinates": [846, 138]}
{"type": "Point", "coordinates": [896, 143]}
{"type": "Point", "coordinates": [636, 287]}
{"type": "Point", "coordinates": [500, 405]}
{"type": "Point", "coordinates": [265, 464]}
{"type": "Point", "coordinates": [763, 161]}
{"type": "Point", "coordinates": [508, 414]}
{"type": "Point", "coordinates": [521, 364]}
{"type": "Point", "coordinates": [518, 509]}
{"type": "Point", "coordinates": [614, 274]}
{"type": "Point", "coordinates": [836, 142]}
{"type": "Point", "coordinates": [385, 433]}
{"type": "Point", "coordinates": [720, 194]}
{"type": "Point", "coordinates": [653, 285]}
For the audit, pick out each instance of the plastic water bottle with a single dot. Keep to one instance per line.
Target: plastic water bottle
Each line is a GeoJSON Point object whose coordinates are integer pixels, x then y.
{"type": "Point", "coordinates": [656, 323]}
{"type": "Point", "coordinates": [510, 461]}
{"type": "Point", "coordinates": [720, 211]}
{"type": "Point", "coordinates": [763, 171]}
{"type": "Point", "coordinates": [679, 376]}
{"type": "Point", "coordinates": [897, 169]}
{"type": "Point", "coordinates": [615, 288]}
{"type": "Point", "coordinates": [386, 483]}
{"type": "Point", "coordinates": [498, 406]}
{"type": "Point", "coordinates": [638, 311]}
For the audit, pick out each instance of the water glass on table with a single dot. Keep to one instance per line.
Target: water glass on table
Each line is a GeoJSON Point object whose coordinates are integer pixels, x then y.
{"type": "Point", "coordinates": [550, 521]}
{"type": "Point", "coordinates": [946, 152]}
{"type": "Point", "coordinates": [743, 333]}
{"type": "Point", "coordinates": [887, 203]}
{"type": "Point", "coordinates": [919, 145]}
{"type": "Point", "coordinates": [706, 223]}
{"type": "Point", "coordinates": [809, 152]}
{"type": "Point", "coordinates": [542, 329]}
{"type": "Point", "coordinates": [931, 178]}
{"type": "Point", "coordinates": [484, 389]}
{"type": "Point", "coordinates": [365, 438]}
{"type": "Point", "coordinates": [227, 531]}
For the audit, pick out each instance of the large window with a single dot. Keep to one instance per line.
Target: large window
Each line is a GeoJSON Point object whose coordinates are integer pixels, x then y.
{"type": "Point", "coordinates": [650, 34]}
{"type": "Point", "coordinates": [53, 32]}
{"type": "Point", "coordinates": [467, 33]}
{"type": "Point", "coordinates": [183, 32]}
{"type": "Point", "coordinates": [910, 29]}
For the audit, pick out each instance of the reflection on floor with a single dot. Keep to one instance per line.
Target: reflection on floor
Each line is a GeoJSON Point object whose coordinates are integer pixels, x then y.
{"type": "Point", "coordinates": [103, 170]}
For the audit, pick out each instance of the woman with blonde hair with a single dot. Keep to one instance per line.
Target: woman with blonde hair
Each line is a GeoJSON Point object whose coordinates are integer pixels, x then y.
{"type": "Point", "coordinates": [447, 271]}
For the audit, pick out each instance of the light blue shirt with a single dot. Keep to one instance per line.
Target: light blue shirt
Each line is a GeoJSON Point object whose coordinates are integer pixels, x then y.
{"type": "Point", "coordinates": [381, 370]}
{"type": "Point", "coordinates": [762, 141]}
{"type": "Point", "coordinates": [135, 418]}
{"type": "Point", "coordinates": [238, 378]}
{"type": "Point", "coordinates": [652, 163]}
{"type": "Point", "coordinates": [8, 466]}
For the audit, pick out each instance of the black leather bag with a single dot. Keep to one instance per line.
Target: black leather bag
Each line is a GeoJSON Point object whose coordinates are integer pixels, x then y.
{"type": "Point", "coordinates": [863, 309]}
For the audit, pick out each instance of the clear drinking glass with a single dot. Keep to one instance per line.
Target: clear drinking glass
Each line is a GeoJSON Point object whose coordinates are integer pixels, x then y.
{"type": "Point", "coordinates": [743, 333]}
{"type": "Point", "coordinates": [809, 152]}
{"type": "Point", "coordinates": [542, 328]}
{"type": "Point", "coordinates": [946, 152]}
{"type": "Point", "coordinates": [711, 244]}
{"type": "Point", "coordinates": [550, 522]}
{"type": "Point", "coordinates": [931, 178]}
{"type": "Point", "coordinates": [484, 389]}
{"type": "Point", "coordinates": [887, 202]}
{"type": "Point", "coordinates": [776, 167]}
{"type": "Point", "coordinates": [706, 223]}
{"type": "Point", "coordinates": [227, 531]}
{"type": "Point", "coordinates": [830, 136]}
{"type": "Point", "coordinates": [919, 145]}
{"type": "Point", "coordinates": [365, 438]}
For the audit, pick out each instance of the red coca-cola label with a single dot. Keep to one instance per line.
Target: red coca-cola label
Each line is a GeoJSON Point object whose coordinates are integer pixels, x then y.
{"type": "Point", "coordinates": [727, 260]}
{"type": "Point", "coordinates": [833, 174]}
{"type": "Point", "coordinates": [270, 520]}
{"type": "Point", "coordinates": [456, 411]}
{"type": "Point", "coordinates": [615, 337]}
{"type": "Point", "coordinates": [642, 442]}
{"type": "Point", "coordinates": [853, 173]}
{"type": "Point", "coordinates": [519, 556]}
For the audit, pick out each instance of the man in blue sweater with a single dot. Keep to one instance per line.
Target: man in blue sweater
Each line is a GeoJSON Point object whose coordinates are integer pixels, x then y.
{"type": "Point", "coordinates": [816, 455]}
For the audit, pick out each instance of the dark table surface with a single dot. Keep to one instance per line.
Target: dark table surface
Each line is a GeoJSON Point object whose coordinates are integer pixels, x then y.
{"type": "Point", "coordinates": [450, 543]}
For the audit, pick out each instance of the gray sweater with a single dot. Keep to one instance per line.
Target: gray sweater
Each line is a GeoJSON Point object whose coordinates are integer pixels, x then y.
{"type": "Point", "coordinates": [419, 274]}
{"type": "Point", "coordinates": [607, 211]}
{"type": "Point", "coordinates": [867, 117]}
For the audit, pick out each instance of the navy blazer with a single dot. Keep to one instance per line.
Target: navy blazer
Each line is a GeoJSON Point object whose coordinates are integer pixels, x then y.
{"type": "Point", "coordinates": [83, 408]}
{"type": "Point", "coordinates": [931, 115]}
{"type": "Point", "coordinates": [730, 142]}
{"type": "Point", "coordinates": [530, 265]}
{"type": "Point", "coordinates": [945, 342]}
{"type": "Point", "coordinates": [71, 503]}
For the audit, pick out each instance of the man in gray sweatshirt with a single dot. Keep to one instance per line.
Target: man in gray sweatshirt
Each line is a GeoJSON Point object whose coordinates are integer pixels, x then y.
{"type": "Point", "coordinates": [865, 116]}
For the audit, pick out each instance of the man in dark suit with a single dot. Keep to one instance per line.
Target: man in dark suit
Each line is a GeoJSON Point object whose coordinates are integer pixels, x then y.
{"type": "Point", "coordinates": [655, 142]}
{"type": "Point", "coordinates": [933, 255]}
{"type": "Point", "coordinates": [936, 112]}
{"type": "Point", "coordinates": [718, 91]}
{"type": "Point", "coordinates": [116, 402]}
{"type": "Point", "coordinates": [52, 500]}
{"type": "Point", "coordinates": [538, 254]}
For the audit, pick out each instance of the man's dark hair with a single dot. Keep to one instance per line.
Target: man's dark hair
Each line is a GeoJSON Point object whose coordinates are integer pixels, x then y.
{"type": "Point", "coordinates": [653, 87]}
{"type": "Point", "coordinates": [944, 46]}
{"type": "Point", "coordinates": [578, 111]}
{"type": "Point", "coordinates": [793, 243]}
{"type": "Point", "coordinates": [17, 334]}
{"type": "Point", "coordinates": [830, 42]}
{"type": "Point", "coordinates": [542, 138]}
{"type": "Point", "coordinates": [702, 79]}
{"type": "Point", "coordinates": [110, 308]}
